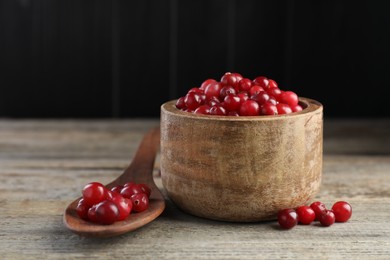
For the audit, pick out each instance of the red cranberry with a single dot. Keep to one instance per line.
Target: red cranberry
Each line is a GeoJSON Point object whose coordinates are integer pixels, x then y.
{"type": "Point", "coordinates": [94, 193]}
{"type": "Point", "coordinates": [203, 109]}
{"type": "Point", "coordinates": [260, 97]}
{"type": "Point", "coordinates": [342, 211]}
{"type": "Point", "coordinates": [261, 81]}
{"type": "Point", "coordinates": [328, 218]}
{"type": "Point", "coordinates": [306, 215]}
{"type": "Point", "coordinates": [145, 188]}
{"type": "Point", "coordinates": [233, 113]}
{"type": "Point", "coordinates": [130, 190]}
{"type": "Point", "coordinates": [180, 104]}
{"type": "Point", "coordinates": [140, 202]}
{"type": "Point", "coordinates": [192, 100]}
{"type": "Point", "coordinates": [212, 90]}
{"type": "Point", "coordinates": [296, 108]}
{"type": "Point", "coordinates": [272, 84]}
{"type": "Point", "coordinates": [255, 90]}
{"type": "Point", "coordinates": [274, 92]}
{"type": "Point", "coordinates": [319, 209]}
{"type": "Point", "coordinates": [229, 79]}
{"type": "Point", "coordinates": [232, 102]}
{"type": "Point", "coordinates": [92, 213]}
{"type": "Point", "coordinates": [218, 110]}
{"type": "Point", "coordinates": [106, 212]}
{"type": "Point", "coordinates": [227, 90]}
{"type": "Point", "coordinates": [249, 108]}
{"type": "Point", "coordinates": [289, 98]}
{"type": "Point", "coordinates": [124, 206]}
{"type": "Point", "coordinates": [206, 83]}
{"type": "Point", "coordinates": [287, 218]}
{"type": "Point", "coordinates": [244, 84]}
{"type": "Point", "coordinates": [283, 109]}
{"type": "Point", "coordinates": [82, 209]}
{"type": "Point", "coordinates": [117, 189]}
{"type": "Point", "coordinates": [269, 109]}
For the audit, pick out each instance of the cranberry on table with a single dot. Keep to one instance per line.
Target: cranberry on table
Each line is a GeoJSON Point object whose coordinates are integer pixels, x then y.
{"type": "Point", "coordinates": [306, 215]}
{"type": "Point", "coordinates": [342, 211]}
{"type": "Point", "coordinates": [287, 218]}
{"type": "Point", "coordinates": [328, 218]}
{"type": "Point", "coordinates": [319, 209]}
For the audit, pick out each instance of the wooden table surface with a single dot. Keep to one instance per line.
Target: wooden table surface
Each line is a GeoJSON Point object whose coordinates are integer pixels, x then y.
{"type": "Point", "coordinates": [45, 163]}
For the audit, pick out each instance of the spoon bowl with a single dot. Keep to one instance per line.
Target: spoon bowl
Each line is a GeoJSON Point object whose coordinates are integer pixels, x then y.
{"type": "Point", "coordinates": [139, 171]}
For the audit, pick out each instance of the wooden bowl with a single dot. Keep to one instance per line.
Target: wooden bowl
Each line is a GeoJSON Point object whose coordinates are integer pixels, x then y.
{"type": "Point", "coordinates": [241, 169]}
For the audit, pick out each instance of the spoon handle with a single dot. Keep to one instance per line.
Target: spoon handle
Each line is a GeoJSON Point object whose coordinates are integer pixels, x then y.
{"type": "Point", "coordinates": [141, 167]}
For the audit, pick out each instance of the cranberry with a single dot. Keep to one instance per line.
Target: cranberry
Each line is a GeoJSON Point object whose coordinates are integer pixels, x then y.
{"type": "Point", "coordinates": [206, 83]}
{"type": "Point", "coordinates": [289, 98]}
{"type": "Point", "coordinates": [269, 109]}
{"type": "Point", "coordinates": [213, 101]}
{"type": "Point", "coordinates": [230, 79]}
{"type": "Point", "coordinates": [106, 212]}
{"type": "Point", "coordinates": [255, 90]}
{"type": "Point", "coordinates": [203, 109]}
{"type": "Point", "coordinates": [275, 92]}
{"type": "Point", "coordinates": [296, 108]}
{"type": "Point", "coordinates": [218, 110]}
{"type": "Point", "coordinates": [94, 193]}
{"type": "Point", "coordinates": [342, 211]}
{"type": "Point", "coordinates": [196, 90]}
{"type": "Point", "coordinates": [272, 84]}
{"type": "Point", "coordinates": [244, 84]}
{"type": "Point", "coordinates": [319, 209]}
{"type": "Point", "coordinates": [82, 209]}
{"type": "Point", "coordinates": [232, 102]}
{"type": "Point", "coordinates": [212, 90]}
{"type": "Point", "coordinates": [272, 100]}
{"type": "Point", "coordinates": [129, 191]}
{"type": "Point", "coordinates": [117, 189]}
{"type": "Point", "coordinates": [306, 215]}
{"type": "Point", "coordinates": [233, 113]}
{"type": "Point", "coordinates": [287, 218]}
{"type": "Point", "coordinates": [180, 104]}
{"type": "Point", "coordinates": [328, 218]}
{"type": "Point", "coordinates": [249, 108]}
{"type": "Point", "coordinates": [92, 213]}
{"type": "Point", "coordinates": [124, 206]}
{"type": "Point", "coordinates": [243, 96]}
{"type": "Point", "coordinates": [140, 202]}
{"type": "Point", "coordinates": [261, 81]}
{"type": "Point", "coordinates": [227, 90]}
{"type": "Point", "coordinates": [193, 100]}
{"type": "Point", "coordinates": [145, 188]}
{"type": "Point", "coordinates": [283, 109]}
{"type": "Point", "coordinates": [260, 97]}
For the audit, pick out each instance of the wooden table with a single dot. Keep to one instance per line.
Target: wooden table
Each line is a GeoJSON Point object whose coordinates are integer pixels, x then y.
{"type": "Point", "coordinates": [44, 164]}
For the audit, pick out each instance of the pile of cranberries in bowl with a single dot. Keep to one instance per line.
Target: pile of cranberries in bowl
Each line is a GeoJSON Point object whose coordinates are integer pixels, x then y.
{"type": "Point", "coordinates": [105, 206]}
{"type": "Point", "coordinates": [235, 95]}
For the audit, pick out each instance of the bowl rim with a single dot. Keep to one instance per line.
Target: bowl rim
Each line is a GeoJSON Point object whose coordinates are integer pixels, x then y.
{"type": "Point", "coordinates": [311, 106]}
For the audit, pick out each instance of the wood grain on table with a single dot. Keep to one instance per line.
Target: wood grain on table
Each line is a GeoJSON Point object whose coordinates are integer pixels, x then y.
{"type": "Point", "coordinates": [45, 163]}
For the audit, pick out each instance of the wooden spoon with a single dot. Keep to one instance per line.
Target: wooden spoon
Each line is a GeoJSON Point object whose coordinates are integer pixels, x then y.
{"type": "Point", "coordinates": [139, 171]}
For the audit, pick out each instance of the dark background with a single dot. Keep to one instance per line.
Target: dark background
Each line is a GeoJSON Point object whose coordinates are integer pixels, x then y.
{"type": "Point", "coordinates": [79, 59]}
